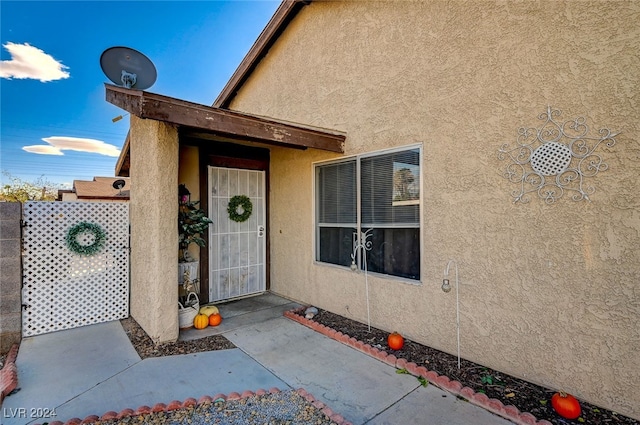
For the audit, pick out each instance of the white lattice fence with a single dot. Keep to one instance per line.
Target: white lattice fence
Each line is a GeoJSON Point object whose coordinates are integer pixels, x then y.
{"type": "Point", "coordinates": [61, 289]}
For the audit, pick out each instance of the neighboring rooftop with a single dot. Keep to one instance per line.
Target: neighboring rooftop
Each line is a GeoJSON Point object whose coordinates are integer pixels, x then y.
{"type": "Point", "coordinates": [100, 188]}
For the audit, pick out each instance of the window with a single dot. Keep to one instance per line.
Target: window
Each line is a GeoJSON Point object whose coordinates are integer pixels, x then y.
{"type": "Point", "coordinates": [374, 201]}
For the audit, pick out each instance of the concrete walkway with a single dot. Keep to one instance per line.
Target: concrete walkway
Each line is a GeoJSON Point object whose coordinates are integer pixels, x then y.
{"type": "Point", "coordinates": [94, 369]}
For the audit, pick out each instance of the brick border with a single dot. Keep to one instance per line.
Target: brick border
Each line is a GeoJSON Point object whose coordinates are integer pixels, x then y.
{"type": "Point", "coordinates": [493, 405]}
{"type": "Point", "coordinates": [192, 402]}
{"type": "Point", "coordinates": [9, 373]}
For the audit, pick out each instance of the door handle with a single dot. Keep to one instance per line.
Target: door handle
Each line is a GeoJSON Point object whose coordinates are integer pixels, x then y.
{"type": "Point", "coordinates": [260, 231]}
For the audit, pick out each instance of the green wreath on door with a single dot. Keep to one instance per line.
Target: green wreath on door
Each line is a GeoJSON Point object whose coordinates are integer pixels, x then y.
{"type": "Point", "coordinates": [243, 203]}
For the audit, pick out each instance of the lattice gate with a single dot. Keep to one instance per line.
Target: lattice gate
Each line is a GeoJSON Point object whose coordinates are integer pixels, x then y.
{"type": "Point", "coordinates": [61, 289]}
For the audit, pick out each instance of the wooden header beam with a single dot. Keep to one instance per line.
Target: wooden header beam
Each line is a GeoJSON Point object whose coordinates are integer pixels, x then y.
{"type": "Point", "coordinates": [222, 122]}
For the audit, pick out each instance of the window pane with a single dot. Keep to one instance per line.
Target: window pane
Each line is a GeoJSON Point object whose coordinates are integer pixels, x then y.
{"type": "Point", "coordinates": [336, 212]}
{"type": "Point", "coordinates": [389, 208]}
{"type": "Point", "coordinates": [336, 245]}
{"type": "Point", "coordinates": [391, 189]}
{"type": "Point", "coordinates": [394, 251]}
{"type": "Point", "coordinates": [336, 191]}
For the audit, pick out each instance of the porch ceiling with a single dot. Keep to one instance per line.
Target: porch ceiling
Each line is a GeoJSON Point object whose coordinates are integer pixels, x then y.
{"type": "Point", "coordinates": [195, 118]}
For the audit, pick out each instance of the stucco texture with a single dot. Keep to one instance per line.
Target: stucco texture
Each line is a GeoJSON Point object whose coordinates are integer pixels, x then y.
{"type": "Point", "coordinates": [549, 293]}
{"type": "Point", "coordinates": [189, 175]}
{"type": "Point", "coordinates": [153, 212]}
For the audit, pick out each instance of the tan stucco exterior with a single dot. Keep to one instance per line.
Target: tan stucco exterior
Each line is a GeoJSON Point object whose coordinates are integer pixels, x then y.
{"type": "Point", "coordinates": [188, 174]}
{"type": "Point", "coordinates": [549, 293]}
{"type": "Point", "coordinates": [153, 213]}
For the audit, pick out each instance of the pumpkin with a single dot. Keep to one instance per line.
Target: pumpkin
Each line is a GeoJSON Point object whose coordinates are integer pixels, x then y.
{"type": "Point", "coordinates": [209, 310]}
{"type": "Point", "coordinates": [566, 405]}
{"type": "Point", "coordinates": [201, 321]}
{"type": "Point", "coordinates": [215, 319]}
{"type": "Point", "coordinates": [395, 341]}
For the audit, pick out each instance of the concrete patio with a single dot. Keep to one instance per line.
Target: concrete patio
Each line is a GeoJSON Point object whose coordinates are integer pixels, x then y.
{"type": "Point", "coordinates": [95, 369]}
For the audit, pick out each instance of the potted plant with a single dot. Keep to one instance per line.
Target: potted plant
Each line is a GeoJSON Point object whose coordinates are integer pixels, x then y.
{"type": "Point", "coordinates": [192, 223]}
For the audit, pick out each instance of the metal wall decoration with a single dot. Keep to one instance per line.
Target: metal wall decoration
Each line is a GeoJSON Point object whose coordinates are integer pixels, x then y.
{"type": "Point", "coordinates": [557, 157]}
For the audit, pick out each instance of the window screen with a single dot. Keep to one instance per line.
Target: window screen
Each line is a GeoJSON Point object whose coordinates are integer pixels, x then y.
{"type": "Point", "coordinates": [389, 212]}
{"type": "Point", "coordinates": [336, 212]}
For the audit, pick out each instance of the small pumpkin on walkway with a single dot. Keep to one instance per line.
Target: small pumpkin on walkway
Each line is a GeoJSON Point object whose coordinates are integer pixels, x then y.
{"type": "Point", "coordinates": [215, 319]}
{"type": "Point", "coordinates": [201, 321]}
{"type": "Point", "coordinates": [209, 310]}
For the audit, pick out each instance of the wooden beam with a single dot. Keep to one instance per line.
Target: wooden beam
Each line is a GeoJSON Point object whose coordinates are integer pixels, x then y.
{"type": "Point", "coordinates": [222, 122]}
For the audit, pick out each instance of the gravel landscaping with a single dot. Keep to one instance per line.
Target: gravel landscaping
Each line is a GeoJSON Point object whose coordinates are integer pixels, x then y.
{"type": "Point", "coordinates": [286, 407]}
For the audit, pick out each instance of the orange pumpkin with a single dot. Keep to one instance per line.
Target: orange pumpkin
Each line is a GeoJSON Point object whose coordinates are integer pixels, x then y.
{"type": "Point", "coordinates": [215, 319]}
{"type": "Point", "coordinates": [566, 405]}
{"type": "Point", "coordinates": [395, 341]}
{"type": "Point", "coordinates": [201, 321]}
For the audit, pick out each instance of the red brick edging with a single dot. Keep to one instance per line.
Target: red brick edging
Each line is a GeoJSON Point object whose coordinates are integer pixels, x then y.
{"type": "Point", "coordinates": [192, 402]}
{"type": "Point", "coordinates": [493, 405]}
{"type": "Point", "coordinates": [9, 373]}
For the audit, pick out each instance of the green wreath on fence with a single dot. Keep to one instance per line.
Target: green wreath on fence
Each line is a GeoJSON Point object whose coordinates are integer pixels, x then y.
{"type": "Point", "coordinates": [84, 227]}
{"type": "Point", "coordinates": [243, 202]}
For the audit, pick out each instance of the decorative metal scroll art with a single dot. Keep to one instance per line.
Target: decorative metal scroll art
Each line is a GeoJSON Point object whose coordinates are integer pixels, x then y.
{"type": "Point", "coordinates": [558, 157]}
{"type": "Point", "coordinates": [363, 243]}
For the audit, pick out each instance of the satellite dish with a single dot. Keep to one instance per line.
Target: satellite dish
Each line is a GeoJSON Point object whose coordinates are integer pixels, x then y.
{"type": "Point", "coordinates": [128, 68]}
{"type": "Point", "coordinates": [118, 184]}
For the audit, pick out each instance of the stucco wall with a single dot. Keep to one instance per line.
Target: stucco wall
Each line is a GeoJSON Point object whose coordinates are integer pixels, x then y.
{"type": "Point", "coordinates": [153, 211]}
{"type": "Point", "coordinates": [189, 175]}
{"type": "Point", "coordinates": [69, 197]}
{"type": "Point", "coordinates": [549, 293]}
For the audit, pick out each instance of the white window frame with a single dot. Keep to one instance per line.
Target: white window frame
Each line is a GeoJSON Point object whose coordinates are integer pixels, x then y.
{"type": "Point", "coordinates": [358, 158]}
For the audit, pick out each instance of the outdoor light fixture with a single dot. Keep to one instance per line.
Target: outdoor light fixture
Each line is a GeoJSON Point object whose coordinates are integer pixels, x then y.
{"type": "Point", "coordinates": [118, 118]}
{"type": "Point", "coordinates": [446, 287]}
{"type": "Point", "coordinates": [184, 195]}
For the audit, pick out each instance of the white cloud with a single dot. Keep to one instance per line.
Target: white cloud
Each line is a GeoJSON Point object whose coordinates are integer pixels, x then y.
{"type": "Point", "coordinates": [57, 144]}
{"type": "Point", "coordinates": [30, 62]}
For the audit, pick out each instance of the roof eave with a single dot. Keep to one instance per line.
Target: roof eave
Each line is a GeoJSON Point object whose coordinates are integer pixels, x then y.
{"type": "Point", "coordinates": [287, 10]}
{"type": "Point", "coordinates": [222, 123]}
{"type": "Point", "coordinates": [122, 165]}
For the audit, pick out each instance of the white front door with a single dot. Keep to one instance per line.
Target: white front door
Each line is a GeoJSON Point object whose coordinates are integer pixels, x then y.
{"type": "Point", "coordinates": [237, 250]}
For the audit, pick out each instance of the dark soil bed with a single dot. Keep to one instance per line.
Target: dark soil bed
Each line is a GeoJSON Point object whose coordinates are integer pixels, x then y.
{"type": "Point", "coordinates": [146, 347]}
{"type": "Point", "coordinates": [527, 397]}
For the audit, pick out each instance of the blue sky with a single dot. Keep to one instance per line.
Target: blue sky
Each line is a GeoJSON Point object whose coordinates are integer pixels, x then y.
{"type": "Point", "coordinates": [52, 88]}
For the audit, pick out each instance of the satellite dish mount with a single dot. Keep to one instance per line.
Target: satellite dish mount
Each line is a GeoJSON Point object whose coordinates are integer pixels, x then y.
{"type": "Point", "coordinates": [128, 79]}
{"type": "Point", "coordinates": [128, 68]}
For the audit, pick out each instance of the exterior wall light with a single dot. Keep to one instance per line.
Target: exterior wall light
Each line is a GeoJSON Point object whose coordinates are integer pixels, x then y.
{"type": "Point", "coordinates": [446, 287]}
{"type": "Point", "coordinates": [184, 195]}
